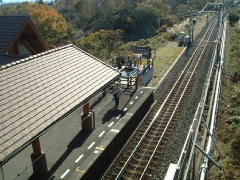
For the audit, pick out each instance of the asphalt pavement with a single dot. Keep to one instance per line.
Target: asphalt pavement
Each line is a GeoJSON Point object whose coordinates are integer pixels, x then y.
{"type": "Point", "coordinates": [65, 144]}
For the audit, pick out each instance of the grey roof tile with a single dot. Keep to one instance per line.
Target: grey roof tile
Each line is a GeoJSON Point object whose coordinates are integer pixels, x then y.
{"type": "Point", "coordinates": [37, 92]}
{"type": "Point", "coordinates": [10, 25]}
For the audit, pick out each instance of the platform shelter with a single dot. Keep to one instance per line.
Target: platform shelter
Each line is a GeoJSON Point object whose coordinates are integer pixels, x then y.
{"type": "Point", "coordinates": [39, 91]}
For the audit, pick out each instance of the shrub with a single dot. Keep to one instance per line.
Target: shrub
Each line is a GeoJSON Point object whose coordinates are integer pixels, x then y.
{"type": "Point", "coordinates": [102, 44]}
{"type": "Point", "coordinates": [233, 18]}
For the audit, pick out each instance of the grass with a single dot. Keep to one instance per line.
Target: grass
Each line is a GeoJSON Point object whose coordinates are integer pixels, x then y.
{"type": "Point", "coordinates": [165, 56]}
{"type": "Point", "coordinates": [227, 132]}
{"type": "Point", "coordinates": [199, 26]}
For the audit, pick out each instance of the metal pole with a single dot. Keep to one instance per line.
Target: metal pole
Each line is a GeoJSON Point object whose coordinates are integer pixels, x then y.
{"type": "Point", "coordinates": [194, 165]}
{"type": "Point", "coordinates": [213, 139]}
{"type": "Point", "coordinates": [3, 178]}
{"type": "Point", "coordinates": [159, 23]}
{"type": "Point", "coordinates": [215, 106]}
{"type": "Point", "coordinates": [190, 25]}
{"type": "Point", "coordinates": [209, 157]}
{"type": "Point", "coordinates": [137, 84]}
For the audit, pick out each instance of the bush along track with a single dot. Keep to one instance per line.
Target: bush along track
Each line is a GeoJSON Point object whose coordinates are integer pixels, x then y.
{"type": "Point", "coordinates": [228, 129]}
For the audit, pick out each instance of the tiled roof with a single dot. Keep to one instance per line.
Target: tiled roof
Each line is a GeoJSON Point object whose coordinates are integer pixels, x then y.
{"type": "Point", "coordinates": [37, 91]}
{"type": "Point", "coordinates": [9, 27]}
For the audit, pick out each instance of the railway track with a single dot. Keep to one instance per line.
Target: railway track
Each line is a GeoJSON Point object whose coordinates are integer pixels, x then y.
{"type": "Point", "coordinates": [144, 150]}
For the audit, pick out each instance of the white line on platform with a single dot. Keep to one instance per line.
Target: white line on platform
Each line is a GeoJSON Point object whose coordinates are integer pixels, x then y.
{"type": "Point", "coordinates": [64, 174]}
{"type": "Point", "coordinates": [79, 158]}
{"type": "Point", "coordinates": [96, 152]}
{"type": "Point", "coordinates": [136, 97]}
{"type": "Point", "coordinates": [130, 114]}
{"type": "Point", "coordinates": [119, 116]}
{"type": "Point", "coordinates": [91, 145]}
{"type": "Point", "coordinates": [141, 92]}
{"type": "Point", "coordinates": [125, 109]}
{"type": "Point", "coordinates": [131, 103]}
{"type": "Point", "coordinates": [111, 124]}
{"type": "Point", "coordinates": [115, 130]}
{"type": "Point", "coordinates": [102, 133]}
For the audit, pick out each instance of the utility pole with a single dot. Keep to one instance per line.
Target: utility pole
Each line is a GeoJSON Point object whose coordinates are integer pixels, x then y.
{"type": "Point", "coordinates": [67, 10]}
{"type": "Point", "coordinates": [191, 21]}
{"type": "Point", "coordinates": [159, 22]}
{"type": "Point", "coordinates": [190, 30]}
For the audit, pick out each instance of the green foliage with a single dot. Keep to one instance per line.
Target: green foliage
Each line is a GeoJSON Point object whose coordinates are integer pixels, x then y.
{"type": "Point", "coordinates": [233, 18]}
{"type": "Point", "coordinates": [138, 19]}
{"type": "Point", "coordinates": [146, 19]}
{"type": "Point", "coordinates": [102, 44]}
{"type": "Point", "coordinates": [229, 132]}
{"type": "Point", "coordinates": [235, 111]}
{"type": "Point", "coordinates": [85, 12]}
{"type": "Point", "coordinates": [236, 97]}
{"type": "Point", "coordinates": [14, 10]}
{"type": "Point", "coordinates": [51, 24]}
{"type": "Point", "coordinates": [235, 146]}
{"type": "Point", "coordinates": [234, 120]}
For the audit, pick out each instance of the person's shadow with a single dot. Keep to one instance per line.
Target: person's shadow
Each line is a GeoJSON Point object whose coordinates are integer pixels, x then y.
{"type": "Point", "coordinates": [110, 114]}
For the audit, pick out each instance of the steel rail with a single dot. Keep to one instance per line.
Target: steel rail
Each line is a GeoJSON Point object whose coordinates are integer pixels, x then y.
{"type": "Point", "coordinates": [162, 105]}
{"type": "Point", "coordinates": [183, 157]}
{"type": "Point", "coordinates": [190, 78]}
{"type": "Point", "coordinates": [194, 136]}
{"type": "Point", "coordinates": [173, 113]}
{"type": "Point", "coordinates": [216, 103]}
{"type": "Point", "coordinates": [171, 91]}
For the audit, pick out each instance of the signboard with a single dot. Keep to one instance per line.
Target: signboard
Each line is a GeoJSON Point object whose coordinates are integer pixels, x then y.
{"type": "Point", "coordinates": [144, 50]}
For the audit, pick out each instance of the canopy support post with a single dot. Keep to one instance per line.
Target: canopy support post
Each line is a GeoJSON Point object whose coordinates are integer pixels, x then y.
{"type": "Point", "coordinates": [2, 173]}
{"type": "Point", "coordinates": [88, 118]}
{"type": "Point", "coordinates": [38, 157]}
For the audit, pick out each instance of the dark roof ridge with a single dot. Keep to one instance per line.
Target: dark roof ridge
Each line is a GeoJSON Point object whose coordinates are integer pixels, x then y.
{"type": "Point", "coordinates": [34, 56]}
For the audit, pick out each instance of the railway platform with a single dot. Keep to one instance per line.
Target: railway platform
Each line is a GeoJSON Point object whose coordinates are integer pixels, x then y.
{"type": "Point", "coordinates": [72, 153]}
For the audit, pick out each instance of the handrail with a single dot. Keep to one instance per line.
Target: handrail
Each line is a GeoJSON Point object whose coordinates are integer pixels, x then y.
{"type": "Point", "coordinates": [191, 135]}
{"type": "Point", "coordinates": [215, 105]}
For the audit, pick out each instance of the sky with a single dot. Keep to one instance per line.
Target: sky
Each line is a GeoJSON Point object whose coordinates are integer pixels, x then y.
{"type": "Point", "coordinates": [14, 1]}
{"type": "Point", "coordinates": [17, 1]}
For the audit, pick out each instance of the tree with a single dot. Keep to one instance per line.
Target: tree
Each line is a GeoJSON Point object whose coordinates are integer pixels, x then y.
{"type": "Point", "coordinates": [102, 44]}
{"type": "Point", "coordinates": [233, 18]}
{"type": "Point", "coordinates": [145, 21]}
{"type": "Point", "coordinates": [14, 10]}
{"type": "Point", "coordinates": [86, 11]}
{"type": "Point", "coordinates": [123, 20]}
{"type": "Point", "coordinates": [51, 24]}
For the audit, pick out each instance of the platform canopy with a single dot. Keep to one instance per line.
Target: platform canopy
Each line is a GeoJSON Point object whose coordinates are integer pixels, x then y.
{"type": "Point", "coordinates": [38, 91]}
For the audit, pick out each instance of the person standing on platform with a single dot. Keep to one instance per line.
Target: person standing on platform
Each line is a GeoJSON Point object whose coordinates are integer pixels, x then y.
{"type": "Point", "coordinates": [116, 94]}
